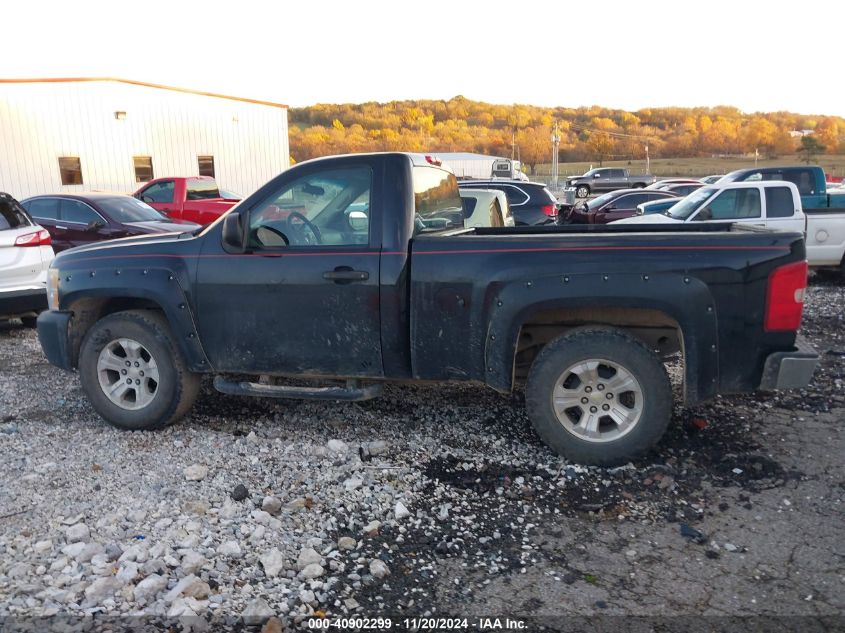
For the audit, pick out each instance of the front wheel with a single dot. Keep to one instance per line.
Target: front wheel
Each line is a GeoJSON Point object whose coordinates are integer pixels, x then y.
{"type": "Point", "coordinates": [598, 397]}
{"type": "Point", "coordinates": [582, 191]}
{"type": "Point", "coordinates": [133, 372]}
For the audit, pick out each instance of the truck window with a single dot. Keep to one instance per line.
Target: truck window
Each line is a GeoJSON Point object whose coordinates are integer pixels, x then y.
{"type": "Point", "coordinates": [437, 201]}
{"type": "Point", "coordinates": [201, 189]}
{"type": "Point", "coordinates": [322, 208]}
{"type": "Point", "coordinates": [616, 173]}
{"type": "Point", "coordinates": [804, 179]}
{"type": "Point", "coordinates": [779, 203]}
{"type": "Point", "coordinates": [161, 192]}
{"type": "Point", "coordinates": [735, 204]}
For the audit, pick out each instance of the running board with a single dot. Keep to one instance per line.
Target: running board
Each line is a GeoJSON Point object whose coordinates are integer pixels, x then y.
{"type": "Point", "coordinates": [351, 392]}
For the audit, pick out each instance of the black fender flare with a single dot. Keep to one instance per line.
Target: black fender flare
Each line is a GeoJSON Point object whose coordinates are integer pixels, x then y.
{"type": "Point", "coordinates": [683, 298]}
{"type": "Point", "coordinates": [151, 284]}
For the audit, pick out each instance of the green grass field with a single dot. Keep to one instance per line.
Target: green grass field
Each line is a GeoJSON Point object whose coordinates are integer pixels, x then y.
{"type": "Point", "coordinates": [834, 165]}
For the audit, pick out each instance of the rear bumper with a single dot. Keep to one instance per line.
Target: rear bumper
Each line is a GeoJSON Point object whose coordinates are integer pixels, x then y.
{"type": "Point", "coordinates": [790, 370]}
{"type": "Point", "coordinates": [52, 334]}
{"type": "Point", "coordinates": [22, 302]}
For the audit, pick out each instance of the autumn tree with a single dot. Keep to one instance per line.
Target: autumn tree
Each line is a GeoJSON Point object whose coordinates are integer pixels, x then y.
{"type": "Point", "coordinates": [810, 147]}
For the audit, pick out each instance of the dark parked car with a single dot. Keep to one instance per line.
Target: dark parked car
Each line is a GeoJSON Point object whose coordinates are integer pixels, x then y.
{"type": "Point", "coordinates": [615, 205]}
{"type": "Point", "coordinates": [77, 219]}
{"type": "Point", "coordinates": [681, 188]}
{"type": "Point", "coordinates": [530, 202]}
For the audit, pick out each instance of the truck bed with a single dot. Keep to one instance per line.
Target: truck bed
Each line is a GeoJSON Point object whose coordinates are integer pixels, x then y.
{"type": "Point", "coordinates": [707, 282]}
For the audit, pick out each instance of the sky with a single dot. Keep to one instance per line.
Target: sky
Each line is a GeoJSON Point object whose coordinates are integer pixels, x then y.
{"type": "Point", "coordinates": [757, 56]}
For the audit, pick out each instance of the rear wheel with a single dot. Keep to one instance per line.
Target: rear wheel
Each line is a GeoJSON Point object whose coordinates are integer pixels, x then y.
{"type": "Point", "coordinates": [134, 373]}
{"type": "Point", "coordinates": [598, 396]}
{"type": "Point", "coordinates": [582, 191]}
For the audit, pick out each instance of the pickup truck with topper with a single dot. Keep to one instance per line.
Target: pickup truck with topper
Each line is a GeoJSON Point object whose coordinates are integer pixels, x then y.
{"type": "Point", "coordinates": [607, 179]}
{"type": "Point", "coordinates": [363, 282]}
{"type": "Point", "coordinates": [194, 199]}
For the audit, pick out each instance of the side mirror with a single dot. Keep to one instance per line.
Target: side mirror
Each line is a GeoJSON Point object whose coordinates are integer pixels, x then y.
{"type": "Point", "coordinates": [705, 214]}
{"type": "Point", "coordinates": [146, 199]}
{"type": "Point", "coordinates": [359, 221]}
{"type": "Point", "coordinates": [596, 175]}
{"type": "Point", "coordinates": [93, 225]}
{"type": "Point", "coordinates": [233, 234]}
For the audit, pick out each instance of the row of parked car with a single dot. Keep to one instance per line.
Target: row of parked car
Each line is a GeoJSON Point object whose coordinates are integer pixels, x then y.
{"type": "Point", "coordinates": [34, 229]}
{"type": "Point", "coordinates": [795, 198]}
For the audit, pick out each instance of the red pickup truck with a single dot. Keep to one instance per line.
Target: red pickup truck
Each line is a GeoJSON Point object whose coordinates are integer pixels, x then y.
{"type": "Point", "coordinates": [195, 198]}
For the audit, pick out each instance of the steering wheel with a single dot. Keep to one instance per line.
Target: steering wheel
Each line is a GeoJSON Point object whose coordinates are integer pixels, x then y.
{"type": "Point", "coordinates": [299, 227]}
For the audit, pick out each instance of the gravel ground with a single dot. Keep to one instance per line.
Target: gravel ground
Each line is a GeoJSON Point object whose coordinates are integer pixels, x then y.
{"type": "Point", "coordinates": [431, 501]}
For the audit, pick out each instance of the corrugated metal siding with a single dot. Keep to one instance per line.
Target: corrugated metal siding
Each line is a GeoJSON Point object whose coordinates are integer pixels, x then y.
{"type": "Point", "coordinates": [39, 122]}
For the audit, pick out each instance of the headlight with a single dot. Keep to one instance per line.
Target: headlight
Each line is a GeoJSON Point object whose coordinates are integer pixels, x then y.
{"type": "Point", "coordinates": [53, 288]}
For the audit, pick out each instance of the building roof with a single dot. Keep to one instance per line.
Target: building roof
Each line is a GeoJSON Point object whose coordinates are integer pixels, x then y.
{"type": "Point", "coordinates": [139, 83]}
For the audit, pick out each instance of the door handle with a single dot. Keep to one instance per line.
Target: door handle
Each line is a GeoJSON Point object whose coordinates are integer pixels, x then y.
{"type": "Point", "coordinates": [63, 228]}
{"type": "Point", "coordinates": [344, 274]}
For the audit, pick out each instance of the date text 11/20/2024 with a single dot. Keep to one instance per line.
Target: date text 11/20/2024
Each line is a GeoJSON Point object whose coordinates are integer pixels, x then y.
{"type": "Point", "coordinates": [416, 624]}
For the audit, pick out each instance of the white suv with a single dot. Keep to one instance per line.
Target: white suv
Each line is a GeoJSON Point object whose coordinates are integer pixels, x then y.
{"type": "Point", "coordinates": [25, 256]}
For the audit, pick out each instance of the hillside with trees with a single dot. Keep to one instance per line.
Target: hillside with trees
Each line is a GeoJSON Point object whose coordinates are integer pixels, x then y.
{"type": "Point", "coordinates": [594, 133]}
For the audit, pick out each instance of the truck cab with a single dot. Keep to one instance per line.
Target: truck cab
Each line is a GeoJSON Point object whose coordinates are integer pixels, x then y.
{"type": "Point", "coordinates": [809, 179]}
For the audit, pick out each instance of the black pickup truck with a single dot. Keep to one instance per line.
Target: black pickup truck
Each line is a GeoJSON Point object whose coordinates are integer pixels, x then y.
{"type": "Point", "coordinates": [355, 270]}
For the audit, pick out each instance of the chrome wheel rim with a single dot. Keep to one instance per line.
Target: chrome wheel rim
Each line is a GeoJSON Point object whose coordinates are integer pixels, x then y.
{"type": "Point", "coordinates": [128, 374]}
{"type": "Point", "coordinates": [598, 400]}
{"type": "Point", "coordinates": [582, 192]}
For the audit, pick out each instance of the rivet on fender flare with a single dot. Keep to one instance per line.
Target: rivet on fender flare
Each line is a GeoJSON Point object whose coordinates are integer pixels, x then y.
{"type": "Point", "coordinates": [566, 279]}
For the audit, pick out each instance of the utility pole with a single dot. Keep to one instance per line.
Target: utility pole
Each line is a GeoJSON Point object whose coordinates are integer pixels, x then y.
{"type": "Point", "coordinates": [555, 165]}
{"type": "Point", "coordinates": [647, 161]}
{"type": "Point", "coordinates": [756, 156]}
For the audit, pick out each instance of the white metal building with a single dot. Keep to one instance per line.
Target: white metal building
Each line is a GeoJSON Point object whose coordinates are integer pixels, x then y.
{"type": "Point", "coordinates": [113, 134]}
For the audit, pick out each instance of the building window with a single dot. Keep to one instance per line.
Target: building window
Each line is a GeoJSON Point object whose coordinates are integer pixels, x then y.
{"type": "Point", "coordinates": [206, 165]}
{"type": "Point", "coordinates": [143, 168]}
{"type": "Point", "coordinates": [71, 170]}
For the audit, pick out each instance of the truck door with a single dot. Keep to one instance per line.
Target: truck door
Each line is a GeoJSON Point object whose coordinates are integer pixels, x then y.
{"type": "Point", "coordinates": [160, 196]}
{"type": "Point", "coordinates": [304, 298]}
{"type": "Point", "coordinates": [782, 213]}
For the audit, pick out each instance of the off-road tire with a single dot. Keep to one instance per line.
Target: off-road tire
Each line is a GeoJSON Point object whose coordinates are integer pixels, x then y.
{"type": "Point", "coordinates": [615, 346]}
{"type": "Point", "coordinates": [177, 388]}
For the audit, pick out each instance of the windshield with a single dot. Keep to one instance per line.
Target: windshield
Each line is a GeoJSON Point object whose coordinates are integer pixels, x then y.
{"type": "Point", "coordinates": [595, 203]}
{"type": "Point", "coordinates": [591, 172]}
{"type": "Point", "coordinates": [230, 195]}
{"type": "Point", "coordinates": [125, 209]}
{"type": "Point", "coordinates": [689, 205]}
